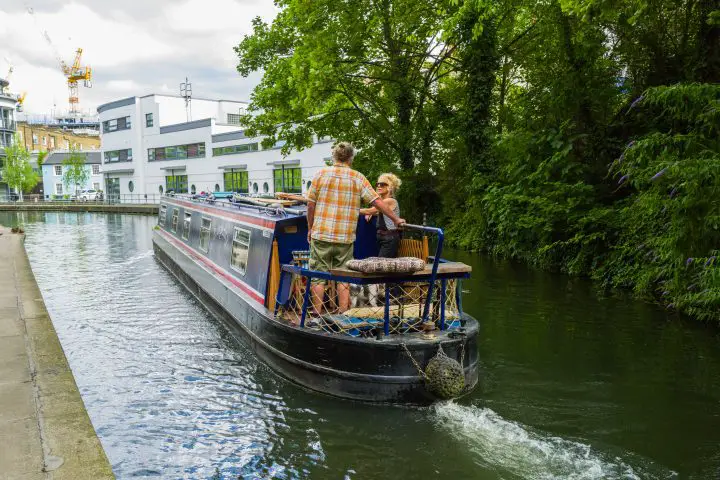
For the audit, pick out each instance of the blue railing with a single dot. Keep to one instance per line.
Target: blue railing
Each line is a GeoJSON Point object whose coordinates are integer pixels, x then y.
{"type": "Point", "coordinates": [431, 277]}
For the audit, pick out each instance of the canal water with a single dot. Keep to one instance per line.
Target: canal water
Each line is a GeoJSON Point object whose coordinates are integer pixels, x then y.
{"type": "Point", "coordinates": [574, 384]}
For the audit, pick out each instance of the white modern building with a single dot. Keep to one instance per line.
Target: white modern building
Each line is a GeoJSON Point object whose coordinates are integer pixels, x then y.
{"type": "Point", "coordinates": [149, 147]}
{"type": "Point", "coordinates": [8, 104]}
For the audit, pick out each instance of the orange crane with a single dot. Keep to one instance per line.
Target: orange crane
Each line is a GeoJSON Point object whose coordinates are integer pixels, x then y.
{"type": "Point", "coordinates": [73, 73]}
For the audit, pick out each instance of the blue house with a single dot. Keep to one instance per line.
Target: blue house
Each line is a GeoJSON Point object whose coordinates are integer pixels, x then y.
{"type": "Point", "coordinates": [53, 170]}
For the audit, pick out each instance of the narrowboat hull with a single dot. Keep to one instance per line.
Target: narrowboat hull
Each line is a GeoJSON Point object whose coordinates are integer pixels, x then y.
{"type": "Point", "coordinates": [338, 365]}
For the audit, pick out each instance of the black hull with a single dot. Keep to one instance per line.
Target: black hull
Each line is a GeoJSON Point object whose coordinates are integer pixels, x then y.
{"type": "Point", "coordinates": [357, 369]}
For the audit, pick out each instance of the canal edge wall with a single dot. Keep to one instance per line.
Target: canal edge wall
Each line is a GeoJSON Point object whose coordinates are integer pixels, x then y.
{"type": "Point", "coordinates": [141, 208]}
{"type": "Point", "coordinates": [45, 430]}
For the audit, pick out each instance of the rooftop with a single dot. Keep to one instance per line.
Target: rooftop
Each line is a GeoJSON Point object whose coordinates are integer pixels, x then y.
{"type": "Point", "coordinates": [56, 157]}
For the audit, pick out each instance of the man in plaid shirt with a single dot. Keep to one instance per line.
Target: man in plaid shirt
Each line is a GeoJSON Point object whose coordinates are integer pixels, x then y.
{"type": "Point", "coordinates": [333, 209]}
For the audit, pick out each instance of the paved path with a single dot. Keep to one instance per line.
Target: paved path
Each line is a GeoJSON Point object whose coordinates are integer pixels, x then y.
{"type": "Point", "coordinates": [45, 431]}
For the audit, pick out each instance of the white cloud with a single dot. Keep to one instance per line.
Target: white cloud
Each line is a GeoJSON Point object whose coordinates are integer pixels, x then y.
{"type": "Point", "coordinates": [134, 47]}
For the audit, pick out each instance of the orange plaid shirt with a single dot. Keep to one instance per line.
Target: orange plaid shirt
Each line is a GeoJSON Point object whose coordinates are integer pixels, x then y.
{"type": "Point", "coordinates": [337, 192]}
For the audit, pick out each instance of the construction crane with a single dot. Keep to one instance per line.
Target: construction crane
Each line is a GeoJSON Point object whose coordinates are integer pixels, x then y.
{"type": "Point", "coordinates": [73, 73]}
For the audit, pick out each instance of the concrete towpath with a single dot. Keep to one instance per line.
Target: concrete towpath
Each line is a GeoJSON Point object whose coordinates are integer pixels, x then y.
{"type": "Point", "coordinates": [45, 431]}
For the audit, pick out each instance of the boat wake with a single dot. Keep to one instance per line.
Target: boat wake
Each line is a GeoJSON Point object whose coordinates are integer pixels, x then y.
{"type": "Point", "coordinates": [515, 451]}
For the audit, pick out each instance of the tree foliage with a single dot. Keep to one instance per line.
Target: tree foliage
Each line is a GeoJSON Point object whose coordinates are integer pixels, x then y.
{"type": "Point", "coordinates": [17, 171]}
{"type": "Point", "coordinates": [576, 135]}
{"type": "Point", "coordinates": [75, 173]}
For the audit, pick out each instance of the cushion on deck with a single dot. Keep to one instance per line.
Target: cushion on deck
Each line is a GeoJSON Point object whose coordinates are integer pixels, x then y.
{"type": "Point", "coordinates": [386, 265]}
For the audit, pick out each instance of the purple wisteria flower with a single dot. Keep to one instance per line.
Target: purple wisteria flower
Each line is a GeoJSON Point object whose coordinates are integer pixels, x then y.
{"type": "Point", "coordinates": [623, 179]}
{"type": "Point", "coordinates": [689, 261]}
{"type": "Point", "coordinates": [658, 174]}
{"type": "Point", "coordinates": [673, 192]}
{"type": "Point", "coordinates": [710, 260]}
{"type": "Point", "coordinates": [629, 145]}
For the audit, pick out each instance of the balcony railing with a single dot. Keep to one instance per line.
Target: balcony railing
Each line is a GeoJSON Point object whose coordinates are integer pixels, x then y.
{"type": "Point", "coordinates": [129, 199]}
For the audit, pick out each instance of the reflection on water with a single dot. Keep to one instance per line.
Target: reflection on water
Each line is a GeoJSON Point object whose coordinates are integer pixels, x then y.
{"type": "Point", "coordinates": [572, 386]}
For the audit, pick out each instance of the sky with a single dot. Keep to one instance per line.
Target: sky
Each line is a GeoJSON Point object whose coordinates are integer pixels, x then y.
{"type": "Point", "coordinates": [135, 47]}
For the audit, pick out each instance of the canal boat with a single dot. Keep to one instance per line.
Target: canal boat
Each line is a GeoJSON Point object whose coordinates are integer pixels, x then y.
{"type": "Point", "coordinates": [245, 261]}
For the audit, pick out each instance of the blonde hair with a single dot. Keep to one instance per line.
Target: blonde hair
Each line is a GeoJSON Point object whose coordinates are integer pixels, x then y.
{"type": "Point", "coordinates": [343, 152]}
{"type": "Point", "coordinates": [392, 180]}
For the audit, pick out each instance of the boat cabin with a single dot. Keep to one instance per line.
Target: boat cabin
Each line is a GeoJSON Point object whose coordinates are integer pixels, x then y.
{"type": "Point", "coordinates": [260, 247]}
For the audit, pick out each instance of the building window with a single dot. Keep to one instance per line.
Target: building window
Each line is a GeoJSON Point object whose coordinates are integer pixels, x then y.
{"type": "Point", "coordinates": [131, 186]}
{"type": "Point", "coordinates": [58, 189]}
{"type": "Point", "coordinates": [236, 181]}
{"type": "Point", "coordinates": [35, 139]}
{"type": "Point", "coordinates": [160, 189]}
{"type": "Point", "coordinates": [96, 169]}
{"type": "Point", "coordinates": [288, 180]}
{"type": "Point", "coordinates": [58, 170]}
{"type": "Point", "coordinates": [96, 185]}
{"type": "Point", "coordinates": [240, 248]}
{"type": "Point", "coordinates": [266, 187]}
{"type": "Point", "coordinates": [52, 142]}
{"type": "Point", "coordinates": [112, 187]}
{"type": "Point", "coordinates": [193, 150]}
{"type": "Point", "coordinates": [44, 141]}
{"type": "Point", "coordinates": [186, 226]}
{"type": "Point", "coordinates": [148, 120]}
{"type": "Point", "coordinates": [233, 149]}
{"type": "Point", "coordinates": [176, 183]}
{"type": "Point", "coordinates": [113, 156]}
{"type": "Point", "coordinates": [173, 225]}
{"type": "Point", "coordinates": [217, 187]}
{"type": "Point", "coordinates": [255, 188]}
{"type": "Point", "coordinates": [233, 118]}
{"type": "Point", "coordinates": [309, 184]}
{"type": "Point", "coordinates": [161, 216]}
{"type": "Point", "coordinates": [193, 189]}
{"type": "Point", "coordinates": [123, 123]}
{"type": "Point", "coordinates": [205, 234]}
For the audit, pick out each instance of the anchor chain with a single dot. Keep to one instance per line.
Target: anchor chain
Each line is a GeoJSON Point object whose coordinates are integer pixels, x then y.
{"type": "Point", "coordinates": [421, 372]}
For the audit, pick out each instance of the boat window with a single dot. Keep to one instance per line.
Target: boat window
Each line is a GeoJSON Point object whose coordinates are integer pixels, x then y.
{"type": "Point", "coordinates": [240, 248]}
{"type": "Point", "coordinates": [161, 216]}
{"type": "Point", "coordinates": [186, 226]}
{"type": "Point", "coordinates": [205, 234]}
{"type": "Point", "coordinates": [173, 227]}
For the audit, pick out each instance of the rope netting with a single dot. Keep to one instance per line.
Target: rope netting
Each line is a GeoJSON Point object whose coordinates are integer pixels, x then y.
{"type": "Point", "coordinates": [365, 310]}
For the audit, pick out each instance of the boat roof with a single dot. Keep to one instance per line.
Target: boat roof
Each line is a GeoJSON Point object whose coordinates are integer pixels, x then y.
{"type": "Point", "coordinates": [273, 212]}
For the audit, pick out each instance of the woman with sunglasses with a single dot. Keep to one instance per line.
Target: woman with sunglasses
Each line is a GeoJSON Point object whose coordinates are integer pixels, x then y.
{"type": "Point", "coordinates": [388, 235]}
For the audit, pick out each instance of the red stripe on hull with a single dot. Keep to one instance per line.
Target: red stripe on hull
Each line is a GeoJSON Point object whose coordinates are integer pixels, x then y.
{"type": "Point", "coordinates": [215, 268]}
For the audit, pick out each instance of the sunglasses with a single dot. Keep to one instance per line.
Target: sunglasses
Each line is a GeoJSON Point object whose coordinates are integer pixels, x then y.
{"type": "Point", "coordinates": [382, 184]}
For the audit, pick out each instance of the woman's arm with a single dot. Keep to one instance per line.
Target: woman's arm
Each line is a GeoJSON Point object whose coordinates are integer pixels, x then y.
{"type": "Point", "coordinates": [368, 211]}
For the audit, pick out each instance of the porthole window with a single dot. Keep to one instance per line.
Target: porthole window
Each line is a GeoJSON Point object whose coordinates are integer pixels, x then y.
{"type": "Point", "coordinates": [240, 248]}
{"type": "Point", "coordinates": [266, 188]}
{"type": "Point", "coordinates": [160, 189]}
{"type": "Point", "coordinates": [131, 186]}
{"type": "Point", "coordinates": [193, 189]}
{"type": "Point", "coordinates": [217, 187]}
{"type": "Point", "coordinates": [255, 188]}
{"type": "Point", "coordinates": [173, 226]}
{"type": "Point", "coordinates": [186, 226]}
{"type": "Point", "coordinates": [205, 234]}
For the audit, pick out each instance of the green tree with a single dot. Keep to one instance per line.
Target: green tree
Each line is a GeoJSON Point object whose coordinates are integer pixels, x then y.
{"type": "Point", "coordinates": [17, 171]}
{"type": "Point", "coordinates": [369, 71]}
{"type": "Point", "coordinates": [76, 173]}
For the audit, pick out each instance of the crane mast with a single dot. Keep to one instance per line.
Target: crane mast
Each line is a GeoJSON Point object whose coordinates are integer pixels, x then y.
{"type": "Point", "coordinates": [73, 73]}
